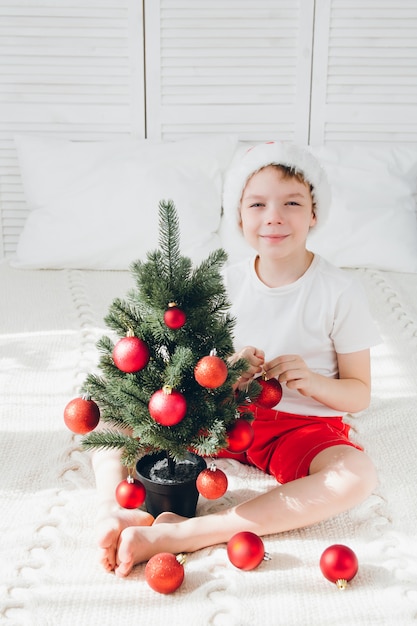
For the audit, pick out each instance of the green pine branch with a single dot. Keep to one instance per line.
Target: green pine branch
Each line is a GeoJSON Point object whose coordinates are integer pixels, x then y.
{"type": "Point", "coordinates": [164, 277]}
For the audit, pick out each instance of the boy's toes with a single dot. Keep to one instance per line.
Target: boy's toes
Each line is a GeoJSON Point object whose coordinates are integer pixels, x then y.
{"type": "Point", "coordinates": [124, 568]}
{"type": "Point", "coordinates": [128, 550]}
{"type": "Point", "coordinates": [107, 559]}
{"type": "Point", "coordinates": [107, 544]}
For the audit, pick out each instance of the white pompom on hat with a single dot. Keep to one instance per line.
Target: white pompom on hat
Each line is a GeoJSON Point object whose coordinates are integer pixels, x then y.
{"type": "Point", "coordinates": [276, 153]}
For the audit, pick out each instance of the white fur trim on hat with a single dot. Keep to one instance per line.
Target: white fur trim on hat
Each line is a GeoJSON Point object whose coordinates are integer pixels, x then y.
{"type": "Point", "coordinates": [276, 153]}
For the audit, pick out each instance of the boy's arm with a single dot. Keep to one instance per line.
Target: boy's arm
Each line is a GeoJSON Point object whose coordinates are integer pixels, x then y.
{"type": "Point", "coordinates": [349, 393]}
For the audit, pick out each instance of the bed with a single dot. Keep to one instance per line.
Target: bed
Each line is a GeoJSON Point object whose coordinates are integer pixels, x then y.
{"type": "Point", "coordinates": [89, 217]}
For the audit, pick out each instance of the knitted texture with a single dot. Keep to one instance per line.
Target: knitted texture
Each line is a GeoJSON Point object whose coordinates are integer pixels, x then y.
{"type": "Point", "coordinates": [49, 571]}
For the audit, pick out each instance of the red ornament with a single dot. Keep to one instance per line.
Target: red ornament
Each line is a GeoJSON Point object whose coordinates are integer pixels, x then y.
{"type": "Point", "coordinates": [212, 483]}
{"type": "Point", "coordinates": [167, 406]}
{"type": "Point", "coordinates": [239, 436]}
{"type": "Point", "coordinates": [211, 371]}
{"type": "Point", "coordinates": [271, 393]}
{"type": "Point", "coordinates": [130, 493]}
{"type": "Point", "coordinates": [81, 415]}
{"type": "Point", "coordinates": [164, 572]}
{"type": "Point", "coordinates": [339, 564]}
{"type": "Point", "coordinates": [174, 317]}
{"type": "Point", "coordinates": [130, 354]}
{"type": "Point", "coordinates": [246, 550]}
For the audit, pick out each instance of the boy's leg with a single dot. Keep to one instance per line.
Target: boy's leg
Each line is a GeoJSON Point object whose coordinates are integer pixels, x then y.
{"type": "Point", "coordinates": [340, 477]}
{"type": "Point", "coordinates": [111, 518]}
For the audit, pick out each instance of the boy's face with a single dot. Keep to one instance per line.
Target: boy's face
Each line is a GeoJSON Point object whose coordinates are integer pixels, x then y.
{"type": "Point", "coordinates": [276, 212]}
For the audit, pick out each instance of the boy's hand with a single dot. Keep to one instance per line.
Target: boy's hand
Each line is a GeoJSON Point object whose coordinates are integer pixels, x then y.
{"type": "Point", "coordinates": [291, 370]}
{"type": "Point", "coordinates": [255, 358]}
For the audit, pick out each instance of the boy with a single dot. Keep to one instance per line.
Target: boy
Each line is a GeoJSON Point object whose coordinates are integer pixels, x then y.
{"type": "Point", "coordinates": [301, 320]}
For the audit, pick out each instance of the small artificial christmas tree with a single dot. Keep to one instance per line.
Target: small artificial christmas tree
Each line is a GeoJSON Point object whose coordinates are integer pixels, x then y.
{"type": "Point", "coordinates": [166, 380]}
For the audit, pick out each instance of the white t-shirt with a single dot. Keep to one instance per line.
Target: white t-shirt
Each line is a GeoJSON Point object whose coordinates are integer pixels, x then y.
{"type": "Point", "coordinates": [322, 313]}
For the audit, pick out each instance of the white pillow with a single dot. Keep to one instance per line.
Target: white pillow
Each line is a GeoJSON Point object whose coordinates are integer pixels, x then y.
{"type": "Point", "coordinates": [373, 216]}
{"type": "Point", "coordinates": [95, 205]}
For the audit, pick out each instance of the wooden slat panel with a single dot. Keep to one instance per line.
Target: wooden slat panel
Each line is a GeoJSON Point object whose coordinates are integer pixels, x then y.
{"type": "Point", "coordinates": [229, 66]}
{"type": "Point", "coordinates": [68, 68]}
{"type": "Point", "coordinates": [365, 71]}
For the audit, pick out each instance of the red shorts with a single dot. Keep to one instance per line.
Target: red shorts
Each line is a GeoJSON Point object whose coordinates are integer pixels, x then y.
{"type": "Point", "coordinates": [285, 444]}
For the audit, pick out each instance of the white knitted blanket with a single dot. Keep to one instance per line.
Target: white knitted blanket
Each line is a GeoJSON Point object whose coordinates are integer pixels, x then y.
{"type": "Point", "coordinates": [49, 574]}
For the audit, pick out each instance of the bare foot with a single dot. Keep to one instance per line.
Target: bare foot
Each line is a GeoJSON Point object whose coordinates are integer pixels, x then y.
{"type": "Point", "coordinates": [134, 547]}
{"type": "Point", "coordinates": [110, 526]}
{"type": "Point", "coordinates": [137, 545]}
{"type": "Point", "coordinates": [167, 534]}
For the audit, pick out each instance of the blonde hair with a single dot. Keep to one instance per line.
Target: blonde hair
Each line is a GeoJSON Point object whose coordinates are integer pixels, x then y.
{"type": "Point", "coordinates": [288, 172]}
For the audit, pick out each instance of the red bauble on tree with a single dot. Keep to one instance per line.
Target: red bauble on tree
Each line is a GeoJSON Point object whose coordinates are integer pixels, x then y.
{"type": "Point", "coordinates": [167, 406]}
{"type": "Point", "coordinates": [130, 354]}
{"type": "Point", "coordinates": [164, 572]}
{"type": "Point", "coordinates": [211, 371]}
{"type": "Point", "coordinates": [81, 415]}
{"type": "Point", "coordinates": [130, 493]}
{"type": "Point", "coordinates": [271, 393]}
{"type": "Point", "coordinates": [246, 550]}
{"type": "Point", "coordinates": [212, 482]}
{"type": "Point", "coordinates": [239, 436]}
{"type": "Point", "coordinates": [174, 317]}
{"type": "Point", "coordinates": [339, 564]}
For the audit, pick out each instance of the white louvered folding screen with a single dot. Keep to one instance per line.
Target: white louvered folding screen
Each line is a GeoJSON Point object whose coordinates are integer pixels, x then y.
{"type": "Point", "coordinates": [364, 71]}
{"type": "Point", "coordinates": [304, 70]}
{"type": "Point", "coordinates": [71, 68]}
{"type": "Point", "coordinates": [229, 66]}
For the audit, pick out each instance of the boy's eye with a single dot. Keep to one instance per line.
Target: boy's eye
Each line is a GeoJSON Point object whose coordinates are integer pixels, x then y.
{"type": "Point", "coordinates": [293, 203]}
{"type": "Point", "coordinates": [256, 204]}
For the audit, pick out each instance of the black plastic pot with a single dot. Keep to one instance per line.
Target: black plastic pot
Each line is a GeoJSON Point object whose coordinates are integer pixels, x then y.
{"type": "Point", "coordinates": [176, 492]}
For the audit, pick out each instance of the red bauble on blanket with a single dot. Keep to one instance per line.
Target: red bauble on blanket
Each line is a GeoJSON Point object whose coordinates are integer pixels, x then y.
{"type": "Point", "coordinates": [246, 550]}
{"type": "Point", "coordinates": [339, 564]}
{"type": "Point", "coordinates": [164, 572]}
